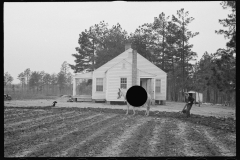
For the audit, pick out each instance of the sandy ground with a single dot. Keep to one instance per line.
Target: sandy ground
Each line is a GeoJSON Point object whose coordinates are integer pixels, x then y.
{"type": "Point", "coordinates": [206, 110]}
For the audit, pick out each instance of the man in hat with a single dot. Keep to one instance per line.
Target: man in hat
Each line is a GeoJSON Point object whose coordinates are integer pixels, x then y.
{"type": "Point", "coordinates": [189, 104]}
{"type": "Point", "coordinates": [186, 100]}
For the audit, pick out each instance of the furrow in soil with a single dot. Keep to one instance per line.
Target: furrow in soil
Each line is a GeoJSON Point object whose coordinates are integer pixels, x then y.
{"type": "Point", "coordinates": [154, 140]}
{"type": "Point", "coordinates": [24, 125]}
{"type": "Point", "coordinates": [53, 144]}
{"type": "Point", "coordinates": [96, 145]}
{"type": "Point", "coordinates": [188, 147]}
{"type": "Point", "coordinates": [14, 110]}
{"type": "Point", "coordinates": [81, 149]}
{"type": "Point", "coordinates": [25, 116]}
{"type": "Point", "coordinates": [28, 117]}
{"type": "Point", "coordinates": [199, 143]}
{"type": "Point", "coordinates": [225, 150]}
{"type": "Point", "coordinates": [115, 148]}
{"type": "Point", "coordinates": [12, 116]}
{"type": "Point", "coordinates": [55, 133]}
{"type": "Point", "coordinates": [30, 132]}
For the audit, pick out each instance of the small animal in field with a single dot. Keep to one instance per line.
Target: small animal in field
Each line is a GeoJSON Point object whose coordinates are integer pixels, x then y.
{"type": "Point", "coordinates": [122, 93]}
{"type": "Point", "coordinates": [53, 104]}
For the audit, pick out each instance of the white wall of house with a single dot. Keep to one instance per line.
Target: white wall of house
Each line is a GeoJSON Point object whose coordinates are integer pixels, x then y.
{"type": "Point", "coordinates": [112, 62]}
{"type": "Point", "coordinates": [144, 65]}
{"type": "Point", "coordinates": [163, 91]}
{"type": "Point", "coordinates": [100, 73]}
{"type": "Point", "coordinates": [114, 76]}
{"type": "Point", "coordinates": [111, 78]}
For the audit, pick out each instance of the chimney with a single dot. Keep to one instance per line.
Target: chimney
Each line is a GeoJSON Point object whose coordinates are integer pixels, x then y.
{"type": "Point", "coordinates": [127, 46]}
{"type": "Point", "coordinates": [134, 65]}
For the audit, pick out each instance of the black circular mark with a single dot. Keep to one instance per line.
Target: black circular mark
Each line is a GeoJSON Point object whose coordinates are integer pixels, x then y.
{"type": "Point", "coordinates": [136, 96]}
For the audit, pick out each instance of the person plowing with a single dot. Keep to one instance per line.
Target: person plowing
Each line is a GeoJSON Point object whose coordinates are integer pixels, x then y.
{"type": "Point", "coordinates": [186, 109]}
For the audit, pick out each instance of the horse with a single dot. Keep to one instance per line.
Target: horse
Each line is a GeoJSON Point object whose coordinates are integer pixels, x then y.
{"type": "Point", "coordinates": [122, 93]}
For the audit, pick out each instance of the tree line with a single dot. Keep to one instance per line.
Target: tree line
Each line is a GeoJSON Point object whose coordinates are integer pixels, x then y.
{"type": "Point", "coordinates": [215, 73]}
{"type": "Point", "coordinates": [165, 43]}
{"type": "Point", "coordinates": [42, 82]}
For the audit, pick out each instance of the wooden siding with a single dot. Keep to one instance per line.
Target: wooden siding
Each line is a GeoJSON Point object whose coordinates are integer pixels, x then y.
{"type": "Point", "coordinates": [145, 65]}
{"type": "Point", "coordinates": [112, 62]}
{"type": "Point", "coordinates": [162, 94]}
{"type": "Point", "coordinates": [147, 69]}
{"type": "Point", "coordinates": [115, 71]}
{"type": "Point", "coordinates": [113, 78]}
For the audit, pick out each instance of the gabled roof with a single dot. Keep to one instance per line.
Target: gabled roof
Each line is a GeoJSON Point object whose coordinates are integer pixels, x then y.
{"type": "Point", "coordinates": [125, 56]}
{"type": "Point", "coordinates": [147, 74]}
{"type": "Point", "coordinates": [117, 64]}
{"type": "Point", "coordinates": [113, 61]}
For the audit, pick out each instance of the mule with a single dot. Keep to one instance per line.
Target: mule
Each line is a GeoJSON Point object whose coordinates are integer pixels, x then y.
{"type": "Point", "coordinates": [122, 93]}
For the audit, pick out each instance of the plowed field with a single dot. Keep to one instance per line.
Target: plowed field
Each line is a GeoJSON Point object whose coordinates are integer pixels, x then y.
{"type": "Point", "coordinates": [76, 132]}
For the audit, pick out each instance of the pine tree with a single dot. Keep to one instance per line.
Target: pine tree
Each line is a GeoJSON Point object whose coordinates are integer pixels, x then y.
{"type": "Point", "coordinates": [114, 42]}
{"type": "Point", "coordinates": [7, 79]}
{"type": "Point", "coordinates": [84, 54]}
{"type": "Point", "coordinates": [160, 26]}
{"type": "Point", "coordinates": [97, 46]}
{"type": "Point", "coordinates": [182, 20]}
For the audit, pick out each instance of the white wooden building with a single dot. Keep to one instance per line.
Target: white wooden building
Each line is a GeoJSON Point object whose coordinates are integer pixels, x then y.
{"type": "Point", "coordinates": [117, 73]}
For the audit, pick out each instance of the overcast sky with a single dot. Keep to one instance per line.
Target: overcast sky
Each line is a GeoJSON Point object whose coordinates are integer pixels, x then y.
{"type": "Point", "coordinates": [42, 35]}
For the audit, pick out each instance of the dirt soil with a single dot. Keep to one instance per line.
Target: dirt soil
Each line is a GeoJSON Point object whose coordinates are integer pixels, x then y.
{"type": "Point", "coordinates": [44, 131]}
{"type": "Point", "coordinates": [205, 110]}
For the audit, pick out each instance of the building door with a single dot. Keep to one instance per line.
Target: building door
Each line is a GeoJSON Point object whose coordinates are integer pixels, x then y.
{"type": "Point", "coordinates": [149, 86]}
{"type": "Point", "coordinates": [143, 83]}
{"type": "Point", "coordinates": [152, 88]}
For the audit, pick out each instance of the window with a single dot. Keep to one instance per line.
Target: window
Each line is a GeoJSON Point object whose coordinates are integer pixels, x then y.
{"type": "Point", "coordinates": [158, 85]}
{"type": "Point", "coordinates": [123, 83]}
{"type": "Point", "coordinates": [99, 84]}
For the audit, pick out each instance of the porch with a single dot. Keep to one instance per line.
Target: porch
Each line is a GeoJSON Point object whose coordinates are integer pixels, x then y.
{"type": "Point", "coordinates": [82, 98]}
{"type": "Point", "coordinates": [82, 87]}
